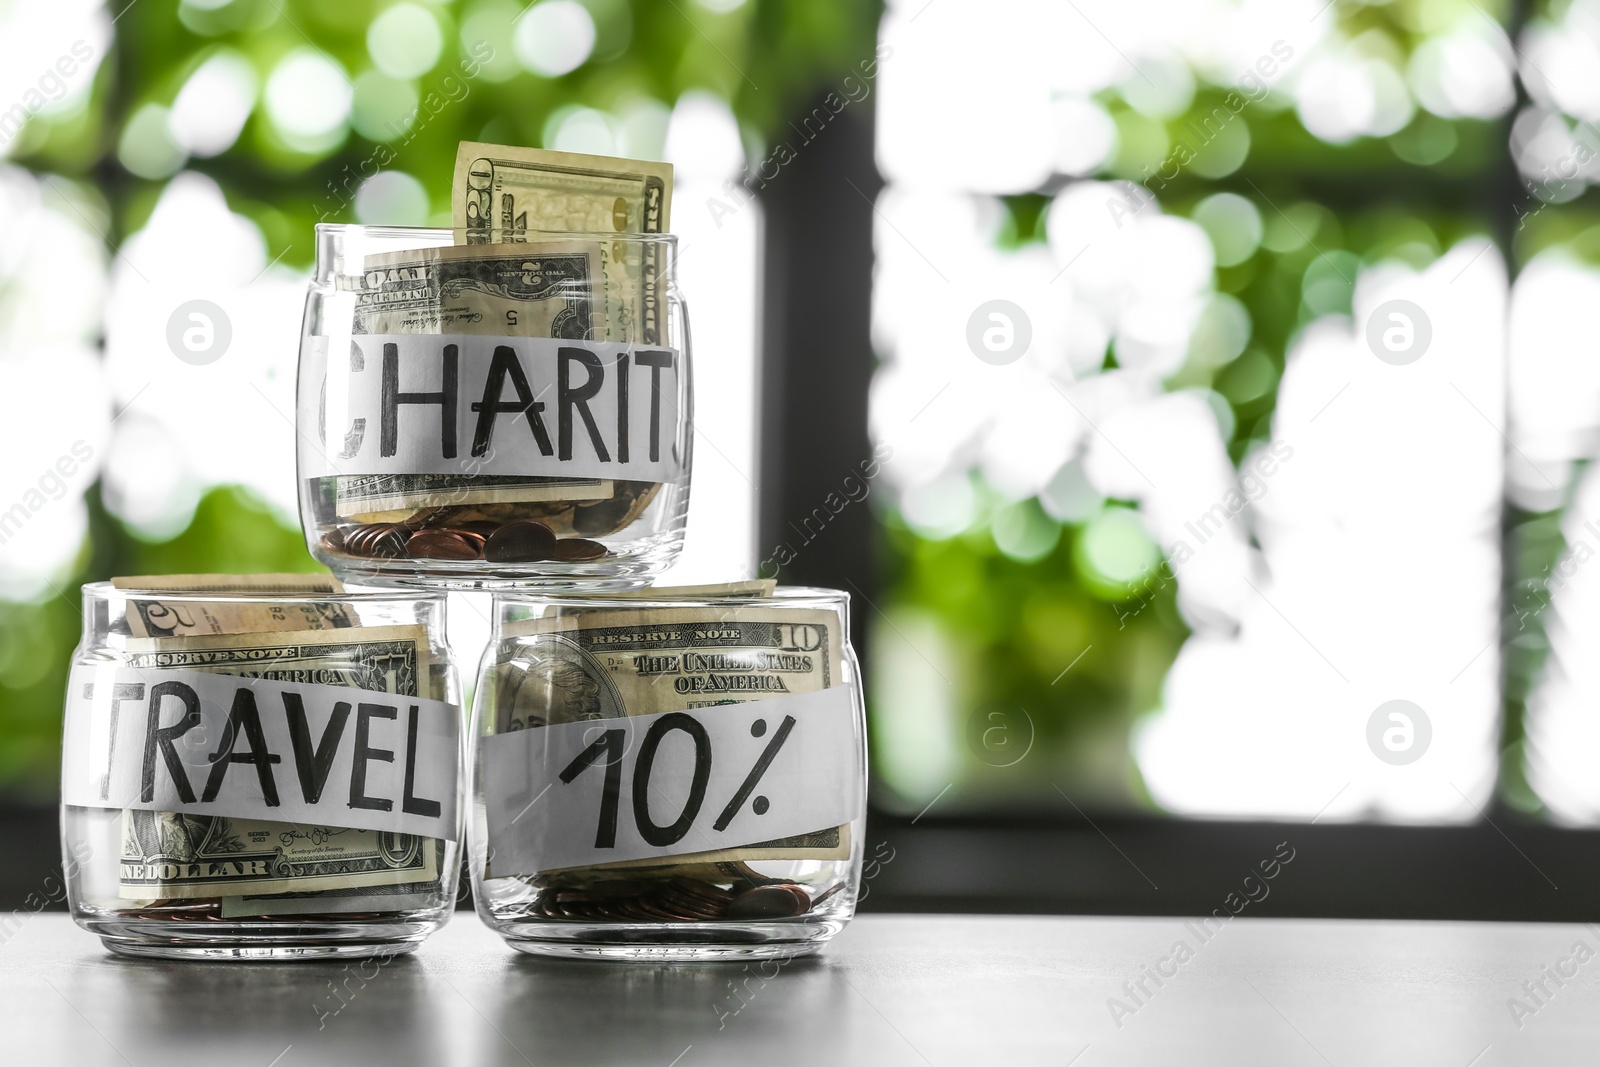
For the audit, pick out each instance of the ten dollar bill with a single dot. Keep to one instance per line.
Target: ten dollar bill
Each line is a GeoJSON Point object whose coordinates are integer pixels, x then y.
{"type": "Point", "coordinates": [611, 664]}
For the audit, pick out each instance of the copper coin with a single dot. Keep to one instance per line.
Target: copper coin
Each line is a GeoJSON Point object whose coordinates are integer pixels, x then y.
{"type": "Point", "coordinates": [333, 540]}
{"type": "Point", "coordinates": [683, 905]}
{"type": "Point", "coordinates": [770, 902]}
{"type": "Point", "coordinates": [603, 517]}
{"type": "Point", "coordinates": [379, 540]}
{"type": "Point", "coordinates": [519, 542]}
{"type": "Point", "coordinates": [659, 912]}
{"type": "Point", "coordinates": [445, 544]}
{"type": "Point", "coordinates": [698, 912]}
{"type": "Point", "coordinates": [711, 894]}
{"type": "Point", "coordinates": [826, 893]}
{"type": "Point", "coordinates": [577, 549]}
{"type": "Point", "coordinates": [631, 911]}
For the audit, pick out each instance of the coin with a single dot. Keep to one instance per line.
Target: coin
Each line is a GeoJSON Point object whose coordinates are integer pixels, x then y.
{"type": "Point", "coordinates": [826, 893]}
{"type": "Point", "coordinates": [445, 544]}
{"type": "Point", "coordinates": [713, 895]}
{"type": "Point", "coordinates": [628, 910]}
{"type": "Point", "coordinates": [577, 549]}
{"type": "Point", "coordinates": [691, 908]}
{"type": "Point", "coordinates": [607, 516]}
{"type": "Point", "coordinates": [520, 542]}
{"type": "Point", "coordinates": [770, 902]}
{"type": "Point", "coordinates": [655, 901]}
{"type": "Point", "coordinates": [666, 914]}
{"type": "Point", "coordinates": [380, 540]}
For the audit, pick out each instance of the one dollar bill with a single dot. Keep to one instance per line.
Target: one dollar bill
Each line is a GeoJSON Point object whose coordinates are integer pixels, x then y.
{"type": "Point", "coordinates": [510, 290]}
{"type": "Point", "coordinates": [175, 856]}
{"type": "Point", "coordinates": [178, 856]}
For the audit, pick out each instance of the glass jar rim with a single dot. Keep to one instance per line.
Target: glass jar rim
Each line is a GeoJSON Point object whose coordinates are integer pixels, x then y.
{"type": "Point", "coordinates": [785, 596]}
{"type": "Point", "coordinates": [437, 232]}
{"type": "Point", "coordinates": [357, 595]}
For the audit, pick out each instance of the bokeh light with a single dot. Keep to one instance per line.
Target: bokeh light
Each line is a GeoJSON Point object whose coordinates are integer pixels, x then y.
{"type": "Point", "coordinates": [405, 40]}
{"type": "Point", "coordinates": [554, 37]}
{"type": "Point", "coordinates": [308, 99]}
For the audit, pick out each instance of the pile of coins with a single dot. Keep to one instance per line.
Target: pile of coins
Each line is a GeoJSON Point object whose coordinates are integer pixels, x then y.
{"type": "Point", "coordinates": [523, 541]}
{"type": "Point", "coordinates": [675, 900]}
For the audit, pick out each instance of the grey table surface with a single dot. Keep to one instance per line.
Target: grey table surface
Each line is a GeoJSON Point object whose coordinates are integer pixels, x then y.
{"type": "Point", "coordinates": [915, 990]}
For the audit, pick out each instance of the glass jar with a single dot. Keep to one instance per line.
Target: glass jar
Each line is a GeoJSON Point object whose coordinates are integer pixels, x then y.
{"type": "Point", "coordinates": [261, 776]}
{"type": "Point", "coordinates": [476, 416]}
{"type": "Point", "coordinates": [669, 776]}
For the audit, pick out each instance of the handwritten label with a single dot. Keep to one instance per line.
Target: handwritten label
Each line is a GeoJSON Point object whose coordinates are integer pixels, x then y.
{"type": "Point", "coordinates": [672, 783]}
{"type": "Point", "coordinates": [442, 404]}
{"type": "Point", "coordinates": [252, 748]}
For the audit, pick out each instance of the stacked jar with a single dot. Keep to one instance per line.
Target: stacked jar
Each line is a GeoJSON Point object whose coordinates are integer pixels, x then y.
{"type": "Point", "coordinates": [669, 774]}
{"type": "Point", "coordinates": [258, 767]}
{"type": "Point", "coordinates": [261, 767]}
{"type": "Point", "coordinates": [494, 416]}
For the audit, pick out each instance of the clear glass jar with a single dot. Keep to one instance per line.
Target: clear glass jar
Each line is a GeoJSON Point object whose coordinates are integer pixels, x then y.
{"type": "Point", "coordinates": [261, 776]}
{"type": "Point", "coordinates": [478, 416]}
{"type": "Point", "coordinates": [668, 777]}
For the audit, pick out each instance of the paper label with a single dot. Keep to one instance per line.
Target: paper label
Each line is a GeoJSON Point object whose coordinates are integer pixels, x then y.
{"type": "Point", "coordinates": [461, 404]}
{"type": "Point", "coordinates": [194, 742]}
{"type": "Point", "coordinates": [672, 783]}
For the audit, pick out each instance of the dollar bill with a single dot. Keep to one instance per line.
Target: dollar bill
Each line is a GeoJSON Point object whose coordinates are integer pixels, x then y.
{"type": "Point", "coordinates": [180, 856]}
{"type": "Point", "coordinates": [384, 659]}
{"type": "Point", "coordinates": [501, 290]}
{"type": "Point", "coordinates": [501, 279]}
{"type": "Point", "coordinates": [613, 663]}
{"type": "Point", "coordinates": [508, 193]}
{"type": "Point", "coordinates": [400, 497]}
{"type": "Point", "coordinates": [244, 584]}
{"type": "Point", "coordinates": [379, 899]}
{"type": "Point", "coordinates": [176, 856]}
{"type": "Point", "coordinates": [747, 587]}
{"type": "Point", "coordinates": [177, 617]}
{"type": "Point", "coordinates": [507, 290]}
{"type": "Point", "coordinates": [502, 193]}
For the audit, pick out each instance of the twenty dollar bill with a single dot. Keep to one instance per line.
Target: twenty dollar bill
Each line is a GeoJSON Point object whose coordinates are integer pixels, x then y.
{"type": "Point", "coordinates": [504, 194]}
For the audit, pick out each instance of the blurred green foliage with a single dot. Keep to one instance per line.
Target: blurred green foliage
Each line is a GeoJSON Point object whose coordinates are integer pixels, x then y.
{"type": "Point", "coordinates": [1326, 211]}
{"type": "Point", "coordinates": [762, 57]}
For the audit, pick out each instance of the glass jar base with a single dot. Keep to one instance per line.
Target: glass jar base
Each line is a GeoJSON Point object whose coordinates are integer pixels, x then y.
{"type": "Point", "coordinates": [636, 569]}
{"type": "Point", "coordinates": [246, 952]}
{"type": "Point", "coordinates": [259, 941]}
{"type": "Point", "coordinates": [672, 943]}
